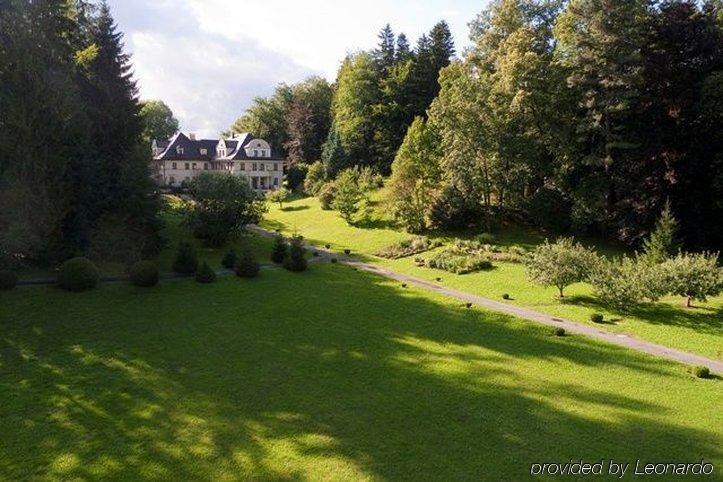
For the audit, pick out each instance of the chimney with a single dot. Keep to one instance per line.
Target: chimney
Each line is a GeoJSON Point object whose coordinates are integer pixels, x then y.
{"type": "Point", "coordinates": [192, 136]}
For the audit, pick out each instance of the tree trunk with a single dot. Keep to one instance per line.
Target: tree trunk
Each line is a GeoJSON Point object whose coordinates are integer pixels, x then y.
{"type": "Point", "coordinates": [687, 302]}
{"type": "Point", "coordinates": [561, 288]}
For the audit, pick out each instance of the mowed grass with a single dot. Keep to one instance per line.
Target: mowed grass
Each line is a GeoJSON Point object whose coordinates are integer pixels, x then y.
{"type": "Point", "coordinates": [332, 374]}
{"type": "Point", "coordinates": [698, 329]}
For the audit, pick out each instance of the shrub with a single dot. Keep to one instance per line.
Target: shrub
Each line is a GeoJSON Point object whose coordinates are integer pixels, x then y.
{"type": "Point", "coordinates": [624, 282]}
{"type": "Point", "coordinates": [78, 274]}
{"type": "Point", "coordinates": [550, 209]}
{"type": "Point", "coordinates": [597, 318]}
{"type": "Point", "coordinates": [454, 260]}
{"type": "Point", "coordinates": [279, 250]}
{"type": "Point", "coordinates": [205, 274]}
{"type": "Point", "coordinates": [558, 331]}
{"type": "Point", "coordinates": [327, 246]}
{"type": "Point", "coordinates": [326, 195]}
{"type": "Point", "coordinates": [348, 194]}
{"type": "Point", "coordinates": [486, 238]}
{"type": "Point", "coordinates": [453, 210]}
{"type": "Point", "coordinates": [229, 259]}
{"type": "Point", "coordinates": [408, 247]}
{"type": "Point", "coordinates": [295, 259]}
{"type": "Point", "coordinates": [296, 175]}
{"type": "Point", "coordinates": [560, 264]}
{"type": "Point", "coordinates": [8, 280]}
{"type": "Point", "coordinates": [347, 252]}
{"type": "Point", "coordinates": [505, 296]}
{"type": "Point", "coordinates": [334, 260]}
{"type": "Point", "coordinates": [315, 178]}
{"type": "Point", "coordinates": [279, 196]}
{"type": "Point", "coordinates": [246, 265]}
{"type": "Point", "coordinates": [701, 371]}
{"type": "Point", "coordinates": [186, 261]}
{"type": "Point", "coordinates": [144, 274]}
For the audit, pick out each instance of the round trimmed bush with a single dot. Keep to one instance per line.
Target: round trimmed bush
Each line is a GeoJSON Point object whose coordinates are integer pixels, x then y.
{"type": "Point", "coordinates": [701, 371]}
{"type": "Point", "coordinates": [295, 259]}
{"type": "Point", "coordinates": [334, 260]}
{"type": "Point", "coordinates": [186, 261]}
{"type": "Point", "coordinates": [144, 274]}
{"type": "Point", "coordinates": [327, 246]}
{"type": "Point", "coordinates": [347, 252]}
{"type": "Point", "coordinates": [597, 318]}
{"type": "Point", "coordinates": [8, 280]}
{"type": "Point", "coordinates": [280, 249]}
{"type": "Point", "coordinates": [229, 259]}
{"type": "Point", "coordinates": [484, 264]}
{"type": "Point", "coordinates": [486, 238]}
{"type": "Point", "coordinates": [558, 331]}
{"type": "Point", "coordinates": [505, 296]}
{"type": "Point", "coordinates": [246, 266]}
{"type": "Point", "coordinates": [205, 274]}
{"type": "Point", "coordinates": [78, 274]}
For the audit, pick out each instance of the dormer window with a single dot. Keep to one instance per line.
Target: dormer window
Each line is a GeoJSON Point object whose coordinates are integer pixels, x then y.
{"type": "Point", "coordinates": [179, 150]}
{"type": "Point", "coordinates": [256, 153]}
{"type": "Point", "coordinates": [204, 152]}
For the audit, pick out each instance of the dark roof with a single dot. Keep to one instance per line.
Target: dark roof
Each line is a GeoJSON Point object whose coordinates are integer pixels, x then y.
{"type": "Point", "coordinates": [192, 149]}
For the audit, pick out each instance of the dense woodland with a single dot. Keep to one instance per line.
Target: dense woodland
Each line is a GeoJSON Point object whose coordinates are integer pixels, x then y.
{"type": "Point", "coordinates": [74, 168]}
{"type": "Point", "coordinates": [581, 117]}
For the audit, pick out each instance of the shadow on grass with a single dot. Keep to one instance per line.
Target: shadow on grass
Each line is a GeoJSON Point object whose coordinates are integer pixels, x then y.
{"type": "Point", "coordinates": [703, 319]}
{"type": "Point", "coordinates": [342, 375]}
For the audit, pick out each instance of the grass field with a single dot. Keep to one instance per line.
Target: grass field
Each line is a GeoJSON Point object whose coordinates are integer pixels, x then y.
{"type": "Point", "coordinates": [698, 330]}
{"type": "Point", "coordinates": [332, 374]}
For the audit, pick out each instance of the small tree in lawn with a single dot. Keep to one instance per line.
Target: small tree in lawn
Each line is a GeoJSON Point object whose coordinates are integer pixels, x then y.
{"type": "Point", "coordinates": [560, 264]}
{"type": "Point", "coordinates": [278, 196]}
{"type": "Point", "coordinates": [296, 259]}
{"type": "Point", "coordinates": [246, 265]}
{"type": "Point", "coordinates": [696, 276]}
{"type": "Point", "coordinates": [348, 195]}
{"type": "Point", "coordinates": [662, 243]}
{"type": "Point", "coordinates": [186, 260]}
{"type": "Point", "coordinates": [229, 259]}
{"type": "Point", "coordinates": [279, 250]}
{"type": "Point", "coordinates": [315, 178]}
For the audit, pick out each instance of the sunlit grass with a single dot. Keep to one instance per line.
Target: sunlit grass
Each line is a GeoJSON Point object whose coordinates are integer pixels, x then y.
{"type": "Point", "coordinates": [330, 374]}
{"type": "Point", "coordinates": [698, 330]}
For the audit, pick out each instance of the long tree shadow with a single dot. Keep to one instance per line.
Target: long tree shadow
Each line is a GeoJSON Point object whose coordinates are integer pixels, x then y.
{"type": "Point", "coordinates": [348, 378]}
{"type": "Point", "coordinates": [704, 319]}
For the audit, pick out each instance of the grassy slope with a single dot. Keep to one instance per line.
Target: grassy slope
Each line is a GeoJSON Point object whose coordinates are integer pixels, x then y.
{"type": "Point", "coordinates": [698, 330]}
{"type": "Point", "coordinates": [187, 381]}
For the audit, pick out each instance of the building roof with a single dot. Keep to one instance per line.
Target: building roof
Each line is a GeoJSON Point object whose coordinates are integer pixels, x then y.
{"type": "Point", "coordinates": [183, 148]}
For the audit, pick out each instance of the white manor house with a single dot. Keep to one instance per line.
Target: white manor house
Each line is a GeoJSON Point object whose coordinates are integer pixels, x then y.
{"type": "Point", "coordinates": [182, 158]}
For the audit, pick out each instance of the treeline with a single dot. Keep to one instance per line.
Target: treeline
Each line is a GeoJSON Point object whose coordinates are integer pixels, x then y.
{"type": "Point", "coordinates": [73, 168]}
{"type": "Point", "coordinates": [362, 118]}
{"type": "Point", "coordinates": [582, 116]}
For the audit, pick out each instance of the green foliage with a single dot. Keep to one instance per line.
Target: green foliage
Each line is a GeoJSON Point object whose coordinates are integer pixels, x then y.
{"type": "Point", "coordinates": [186, 260]}
{"type": "Point", "coordinates": [453, 209]}
{"type": "Point", "coordinates": [77, 274]}
{"type": "Point", "coordinates": [158, 121]}
{"type": "Point", "coordinates": [279, 250]}
{"type": "Point", "coordinates": [558, 331]}
{"type": "Point", "coordinates": [348, 194]}
{"type": "Point", "coordinates": [333, 155]}
{"type": "Point", "coordinates": [315, 178]}
{"type": "Point", "coordinates": [326, 195]}
{"type": "Point", "coordinates": [560, 264]}
{"type": "Point", "coordinates": [459, 261]}
{"type": "Point", "coordinates": [296, 258]}
{"type": "Point", "coordinates": [624, 282]}
{"type": "Point", "coordinates": [701, 371]}
{"type": "Point", "coordinates": [662, 243]}
{"type": "Point", "coordinates": [308, 119]}
{"type": "Point", "coordinates": [696, 276]}
{"type": "Point", "coordinates": [246, 265]}
{"type": "Point", "coordinates": [222, 206]}
{"type": "Point", "coordinates": [597, 318]}
{"type": "Point", "coordinates": [8, 280]}
{"type": "Point", "coordinates": [415, 174]}
{"type": "Point", "coordinates": [408, 247]}
{"type": "Point", "coordinates": [296, 175]}
{"type": "Point", "coordinates": [229, 259]}
{"type": "Point", "coordinates": [278, 196]}
{"type": "Point", "coordinates": [268, 118]}
{"type": "Point", "coordinates": [486, 238]}
{"type": "Point", "coordinates": [205, 274]}
{"type": "Point", "coordinates": [144, 274]}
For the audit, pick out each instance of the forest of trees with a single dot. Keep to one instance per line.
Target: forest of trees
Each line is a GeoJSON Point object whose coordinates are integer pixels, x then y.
{"type": "Point", "coordinates": [74, 168]}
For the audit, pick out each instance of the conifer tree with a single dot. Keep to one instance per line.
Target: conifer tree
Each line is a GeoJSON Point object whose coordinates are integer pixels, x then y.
{"type": "Point", "coordinates": [662, 243]}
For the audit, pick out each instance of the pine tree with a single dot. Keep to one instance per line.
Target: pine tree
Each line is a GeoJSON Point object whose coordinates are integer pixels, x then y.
{"type": "Point", "coordinates": [279, 250]}
{"type": "Point", "coordinates": [662, 243]}
{"type": "Point", "coordinates": [403, 52]}
{"type": "Point", "coordinates": [333, 154]}
{"type": "Point", "coordinates": [296, 258]}
{"type": "Point", "coordinates": [385, 54]}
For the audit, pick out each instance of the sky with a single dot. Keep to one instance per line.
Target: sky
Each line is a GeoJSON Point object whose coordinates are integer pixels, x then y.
{"type": "Point", "coordinates": [207, 59]}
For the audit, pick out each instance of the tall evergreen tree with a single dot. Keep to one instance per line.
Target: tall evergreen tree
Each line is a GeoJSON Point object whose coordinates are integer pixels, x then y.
{"type": "Point", "coordinates": [385, 54]}
{"type": "Point", "coordinates": [333, 154]}
{"type": "Point", "coordinates": [403, 50]}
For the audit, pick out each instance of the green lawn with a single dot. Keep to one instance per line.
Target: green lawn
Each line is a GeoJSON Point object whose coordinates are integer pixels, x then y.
{"type": "Point", "coordinates": [330, 374]}
{"type": "Point", "coordinates": [698, 330]}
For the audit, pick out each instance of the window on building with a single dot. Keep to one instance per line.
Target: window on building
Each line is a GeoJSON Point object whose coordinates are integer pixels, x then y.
{"type": "Point", "coordinates": [193, 166]}
{"type": "Point", "coordinates": [256, 153]}
{"type": "Point", "coordinates": [171, 180]}
{"type": "Point", "coordinates": [230, 166]}
{"type": "Point", "coordinates": [173, 165]}
{"type": "Point", "coordinates": [255, 182]}
{"type": "Point", "coordinates": [204, 152]}
{"type": "Point", "coordinates": [276, 182]}
{"type": "Point", "coordinates": [205, 166]}
{"type": "Point", "coordinates": [186, 166]}
{"type": "Point", "coordinates": [179, 150]}
{"type": "Point", "coordinates": [254, 167]}
{"type": "Point", "coordinates": [242, 166]}
{"type": "Point", "coordinates": [262, 166]}
{"type": "Point", "coordinates": [276, 166]}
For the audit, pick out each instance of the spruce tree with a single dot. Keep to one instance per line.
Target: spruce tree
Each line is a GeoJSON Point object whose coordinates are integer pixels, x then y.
{"type": "Point", "coordinates": [662, 243]}
{"type": "Point", "coordinates": [296, 258]}
{"type": "Point", "coordinates": [385, 54]}
{"type": "Point", "coordinates": [403, 51]}
{"type": "Point", "coordinates": [279, 250]}
{"type": "Point", "coordinates": [333, 154]}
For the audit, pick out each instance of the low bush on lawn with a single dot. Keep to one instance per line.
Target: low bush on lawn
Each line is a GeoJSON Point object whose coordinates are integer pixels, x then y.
{"type": "Point", "coordinates": [459, 261]}
{"type": "Point", "coordinates": [701, 371]}
{"type": "Point", "coordinates": [144, 274]}
{"type": "Point", "coordinates": [295, 259]}
{"type": "Point", "coordinates": [247, 266]}
{"type": "Point", "coordinates": [280, 249]}
{"type": "Point", "coordinates": [186, 260]}
{"type": "Point", "coordinates": [8, 280]}
{"type": "Point", "coordinates": [229, 259]}
{"type": "Point", "coordinates": [408, 247]}
{"type": "Point", "coordinates": [205, 274]}
{"type": "Point", "coordinates": [78, 274]}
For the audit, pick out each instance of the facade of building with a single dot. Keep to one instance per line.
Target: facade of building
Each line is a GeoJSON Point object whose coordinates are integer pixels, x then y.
{"type": "Point", "coordinates": [182, 158]}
